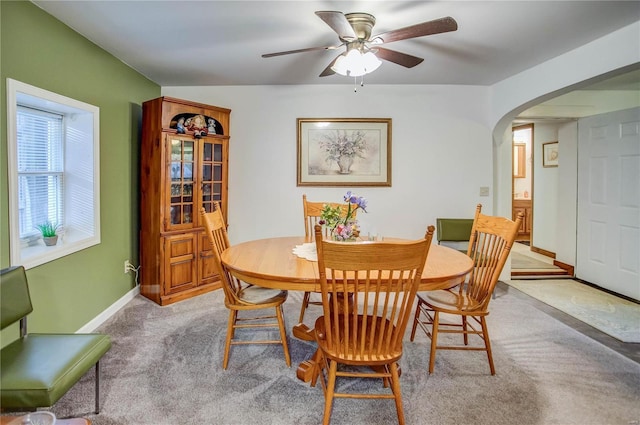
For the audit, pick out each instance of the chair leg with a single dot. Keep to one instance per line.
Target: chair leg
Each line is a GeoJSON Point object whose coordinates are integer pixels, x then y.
{"type": "Point", "coordinates": [434, 341]}
{"type": "Point", "coordinates": [416, 317]}
{"type": "Point", "coordinates": [283, 335]}
{"type": "Point", "coordinates": [465, 335]}
{"type": "Point", "coordinates": [233, 315]}
{"type": "Point", "coordinates": [328, 396]}
{"type": "Point", "coordinates": [303, 307]}
{"type": "Point", "coordinates": [97, 411]}
{"type": "Point", "coordinates": [487, 343]}
{"type": "Point", "coordinates": [395, 387]}
{"type": "Point", "coordinates": [322, 370]}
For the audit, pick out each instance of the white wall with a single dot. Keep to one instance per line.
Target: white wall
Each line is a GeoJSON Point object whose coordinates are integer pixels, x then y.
{"type": "Point", "coordinates": [565, 73]}
{"type": "Point", "coordinates": [441, 153]}
{"type": "Point", "coordinates": [566, 212]}
{"type": "Point", "coordinates": [559, 75]}
{"type": "Point", "coordinates": [545, 190]}
{"type": "Point", "coordinates": [447, 142]}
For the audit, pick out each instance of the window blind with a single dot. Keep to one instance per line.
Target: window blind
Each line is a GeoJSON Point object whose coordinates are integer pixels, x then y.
{"type": "Point", "coordinates": [40, 158]}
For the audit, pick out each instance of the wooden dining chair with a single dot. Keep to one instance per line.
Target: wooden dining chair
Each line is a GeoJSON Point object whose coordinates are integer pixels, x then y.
{"type": "Point", "coordinates": [368, 292]}
{"type": "Point", "coordinates": [489, 246]}
{"type": "Point", "coordinates": [241, 297]}
{"type": "Point", "coordinates": [312, 212]}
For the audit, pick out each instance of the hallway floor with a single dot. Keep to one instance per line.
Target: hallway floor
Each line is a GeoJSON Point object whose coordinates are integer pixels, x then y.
{"type": "Point", "coordinates": [629, 350]}
{"type": "Point", "coordinates": [532, 271]}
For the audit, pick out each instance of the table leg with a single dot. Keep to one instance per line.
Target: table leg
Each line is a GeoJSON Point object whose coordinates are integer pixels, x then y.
{"type": "Point", "coordinates": [303, 332]}
{"type": "Point", "coordinates": [308, 370]}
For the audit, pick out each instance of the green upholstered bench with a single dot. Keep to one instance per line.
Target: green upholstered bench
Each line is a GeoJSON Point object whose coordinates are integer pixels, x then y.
{"type": "Point", "coordinates": [454, 230]}
{"type": "Point", "coordinates": [36, 370]}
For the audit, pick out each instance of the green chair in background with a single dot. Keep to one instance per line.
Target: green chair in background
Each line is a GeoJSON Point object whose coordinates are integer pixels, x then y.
{"type": "Point", "coordinates": [454, 231]}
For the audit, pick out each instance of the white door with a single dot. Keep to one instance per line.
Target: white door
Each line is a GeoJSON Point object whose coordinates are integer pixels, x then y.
{"type": "Point", "coordinates": [608, 251]}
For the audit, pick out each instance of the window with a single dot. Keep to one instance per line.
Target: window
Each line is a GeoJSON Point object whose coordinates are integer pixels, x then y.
{"type": "Point", "coordinates": [40, 169]}
{"type": "Point", "coordinates": [53, 146]}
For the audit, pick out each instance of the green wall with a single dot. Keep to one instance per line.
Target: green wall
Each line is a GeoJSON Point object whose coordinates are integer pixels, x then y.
{"type": "Point", "coordinates": [37, 49]}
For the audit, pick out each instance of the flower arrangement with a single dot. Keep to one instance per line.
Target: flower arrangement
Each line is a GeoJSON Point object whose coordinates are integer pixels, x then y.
{"type": "Point", "coordinates": [343, 227]}
{"type": "Point", "coordinates": [340, 146]}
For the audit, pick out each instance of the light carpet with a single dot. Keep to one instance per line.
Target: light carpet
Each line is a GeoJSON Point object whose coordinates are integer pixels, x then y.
{"type": "Point", "coordinates": [612, 315]}
{"type": "Point", "coordinates": [521, 261]}
{"type": "Point", "coordinates": [165, 368]}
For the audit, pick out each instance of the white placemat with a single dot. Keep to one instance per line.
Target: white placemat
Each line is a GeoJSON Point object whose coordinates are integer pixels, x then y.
{"type": "Point", "coordinates": [306, 251]}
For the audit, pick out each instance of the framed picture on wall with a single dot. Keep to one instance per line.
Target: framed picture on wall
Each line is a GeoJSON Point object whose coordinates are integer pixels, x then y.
{"type": "Point", "coordinates": [550, 154]}
{"type": "Point", "coordinates": [344, 151]}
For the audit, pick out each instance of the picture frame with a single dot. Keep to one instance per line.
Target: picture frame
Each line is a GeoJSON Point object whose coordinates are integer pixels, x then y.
{"type": "Point", "coordinates": [344, 152]}
{"type": "Point", "coordinates": [550, 154]}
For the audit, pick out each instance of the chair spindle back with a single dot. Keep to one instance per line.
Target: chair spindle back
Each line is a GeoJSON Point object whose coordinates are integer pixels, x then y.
{"type": "Point", "coordinates": [313, 210]}
{"type": "Point", "coordinates": [217, 231]}
{"type": "Point", "coordinates": [362, 282]}
{"type": "Point", "coordinates": [489, 246]}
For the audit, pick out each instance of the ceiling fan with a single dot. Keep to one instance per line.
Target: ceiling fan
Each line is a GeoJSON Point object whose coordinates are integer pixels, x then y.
{"type": "Point", "coordinates": [354, 32]}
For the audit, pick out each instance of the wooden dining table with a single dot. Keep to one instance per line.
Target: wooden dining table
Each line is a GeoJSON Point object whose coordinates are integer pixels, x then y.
{"type": "Point", "coordinates": [271, 263]}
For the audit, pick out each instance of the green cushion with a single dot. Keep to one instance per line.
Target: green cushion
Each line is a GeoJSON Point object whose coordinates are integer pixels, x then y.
{"type": "Point", "coordinates": [454, 229]}
{"type": "Point", "coordinates": [37, 370]}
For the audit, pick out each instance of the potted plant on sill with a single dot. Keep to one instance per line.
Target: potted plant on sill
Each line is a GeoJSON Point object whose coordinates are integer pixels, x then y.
{"type": "Point", "coordinates": [49, 233]}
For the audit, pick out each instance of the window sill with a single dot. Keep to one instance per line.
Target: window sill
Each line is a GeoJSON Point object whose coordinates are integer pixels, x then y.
{"type": "Point", "coordinates": [69, 243]}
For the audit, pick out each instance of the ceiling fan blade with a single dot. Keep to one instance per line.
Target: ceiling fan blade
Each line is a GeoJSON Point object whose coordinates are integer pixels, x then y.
{"type": "Point", "coordinates": [308, 49]}
{"type": "Point", "coordinates": [436, 26]}
{"type": "Point", "coordinates": [400, 58]}
{"type": "Point", "coordinates": [339, 23]}
{"type": "Point", "coordinates": [328, 71]}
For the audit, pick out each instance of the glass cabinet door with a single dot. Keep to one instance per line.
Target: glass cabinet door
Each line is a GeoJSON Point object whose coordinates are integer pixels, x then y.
{"type": "Point", "coordinates": [181, 175]}
{"type": "Point", "coordinates": [212, 172]}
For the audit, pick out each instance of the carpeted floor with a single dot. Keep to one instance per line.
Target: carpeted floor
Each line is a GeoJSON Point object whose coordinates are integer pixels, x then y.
{"type": "Point", "coordinates": [165, 368]}
{"type": "Point", "coordinates": [612, 315]}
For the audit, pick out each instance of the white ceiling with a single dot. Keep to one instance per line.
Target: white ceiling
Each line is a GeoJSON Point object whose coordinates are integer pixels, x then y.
{"type": "Point", "coordinates": [191, 43]}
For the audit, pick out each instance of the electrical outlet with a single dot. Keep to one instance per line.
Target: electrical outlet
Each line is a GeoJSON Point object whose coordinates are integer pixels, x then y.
{"type": "Point", "coordinates": [128, 266]}
{"type": "Point", "coordinates": [484, 191]}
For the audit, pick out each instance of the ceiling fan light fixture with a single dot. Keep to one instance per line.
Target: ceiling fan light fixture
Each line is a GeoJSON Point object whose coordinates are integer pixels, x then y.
{"type": "Point", "coordinates": [371, 62]}
{"type": "Point", "coordinates": [354, 63]}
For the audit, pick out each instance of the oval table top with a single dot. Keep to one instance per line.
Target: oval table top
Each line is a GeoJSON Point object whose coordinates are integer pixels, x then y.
{"type": "Point", "coordinates": [271, 263]}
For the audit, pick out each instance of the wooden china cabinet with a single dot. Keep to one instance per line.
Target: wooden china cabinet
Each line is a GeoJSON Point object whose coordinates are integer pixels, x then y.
{"type": "Point", "coordinates": [183, 167]}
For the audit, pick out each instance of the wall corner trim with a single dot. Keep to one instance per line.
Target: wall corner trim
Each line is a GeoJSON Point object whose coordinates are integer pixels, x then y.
{"type": "Point", "coordinates": [93, 324]}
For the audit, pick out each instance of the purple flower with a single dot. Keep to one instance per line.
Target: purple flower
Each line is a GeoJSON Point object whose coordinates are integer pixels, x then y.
{"type": "Point", "coordinates": [343, 226]}
{"type": "Point", "coordinates": [356, 200]}
{"type": "Point", "coordinates": [362, 203]}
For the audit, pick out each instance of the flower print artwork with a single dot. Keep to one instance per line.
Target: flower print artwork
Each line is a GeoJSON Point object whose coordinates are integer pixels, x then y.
{"type": "Point", "coordinates": [344, 152]}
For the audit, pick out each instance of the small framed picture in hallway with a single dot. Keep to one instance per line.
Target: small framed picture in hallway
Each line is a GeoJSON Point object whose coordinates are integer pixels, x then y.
{"type": "Point", "coordinates": [550, 154]}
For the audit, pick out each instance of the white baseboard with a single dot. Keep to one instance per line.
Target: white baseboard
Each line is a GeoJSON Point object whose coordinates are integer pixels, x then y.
{"type": "Point", "coordinates": [110, 311]}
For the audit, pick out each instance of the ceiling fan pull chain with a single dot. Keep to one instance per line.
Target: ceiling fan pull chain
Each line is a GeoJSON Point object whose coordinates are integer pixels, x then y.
{"type": "Point", "coordinates": [355, 84]}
